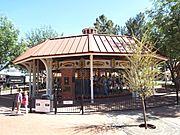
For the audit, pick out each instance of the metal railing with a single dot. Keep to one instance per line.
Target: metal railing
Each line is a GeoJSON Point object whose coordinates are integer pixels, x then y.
{"type": "Point", "coordinates": [113, 104]}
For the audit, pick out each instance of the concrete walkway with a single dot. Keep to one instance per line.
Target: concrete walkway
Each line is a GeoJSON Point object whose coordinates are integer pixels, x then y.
{"type": "Point", "coordinates": [166, 119]}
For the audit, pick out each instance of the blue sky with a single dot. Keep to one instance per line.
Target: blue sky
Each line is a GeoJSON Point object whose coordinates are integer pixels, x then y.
{"type": "Point", "coordinates": [68, 16]}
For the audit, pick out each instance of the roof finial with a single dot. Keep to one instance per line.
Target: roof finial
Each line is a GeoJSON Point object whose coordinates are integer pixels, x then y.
{"type": "Point", "coordinates": [90, 30]}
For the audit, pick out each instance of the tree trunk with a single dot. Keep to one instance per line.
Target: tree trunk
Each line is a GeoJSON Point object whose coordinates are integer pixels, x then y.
{"type": "Point", "coordinates": [177, 96]}
{"type": "Point", "coordinates": [172, 71]}
{"type": "Point", "coordinates": [144, 113]}
{"type": "Point", "coordinates": [177, 90]}
{"type": "Point", "coordinates": [145, 104]}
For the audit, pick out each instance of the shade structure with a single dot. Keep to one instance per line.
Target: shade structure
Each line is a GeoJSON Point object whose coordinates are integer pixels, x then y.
{"type": "Point", "coordinates": [77, 45]}
{"type": "Point", "coordinates": [99, 44]}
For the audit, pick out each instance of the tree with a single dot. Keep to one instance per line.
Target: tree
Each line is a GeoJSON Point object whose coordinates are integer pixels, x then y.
{"type": "Point", "coordinates": [165, 22]}
{"type": "Point", "coordinates": [105, 26]}
{"type": "Point", "coordinates": [142, 70]}
{"type": "Point", "coordinates": [39, 35]}
{"type": "Point", "coordinates": [9, 46]}
{"type": "Point", "coordinates": [135, 26]}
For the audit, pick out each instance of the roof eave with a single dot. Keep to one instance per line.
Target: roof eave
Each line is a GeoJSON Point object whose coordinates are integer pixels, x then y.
{"type": "Point", "coordinates": [71, 55]}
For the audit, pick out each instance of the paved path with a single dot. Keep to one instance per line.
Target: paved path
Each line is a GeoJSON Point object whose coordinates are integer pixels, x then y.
{"type": "Point", "coordinates": [166, 119]}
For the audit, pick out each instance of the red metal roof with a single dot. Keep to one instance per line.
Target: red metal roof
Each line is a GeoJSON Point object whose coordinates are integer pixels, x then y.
{"type": "Point", "coordinates": [82, 44]}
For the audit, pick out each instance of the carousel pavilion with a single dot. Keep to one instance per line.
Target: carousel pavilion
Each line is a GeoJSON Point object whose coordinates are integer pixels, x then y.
{"type": "Point", "coordinates": [77, 64]}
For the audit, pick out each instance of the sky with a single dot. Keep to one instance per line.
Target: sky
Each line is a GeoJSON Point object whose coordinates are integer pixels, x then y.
{"type": "Point", "coordinates": [68, 16]}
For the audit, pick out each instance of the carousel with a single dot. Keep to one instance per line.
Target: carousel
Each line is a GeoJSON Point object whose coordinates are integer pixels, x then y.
{"type": "Point", "coordinates": [90, 64]}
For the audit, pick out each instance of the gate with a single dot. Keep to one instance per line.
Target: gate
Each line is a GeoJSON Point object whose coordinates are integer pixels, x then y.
{"type": "Point", "coordinates": [68, 106]}
{"type": "Point", "coordinates": [62, 105]}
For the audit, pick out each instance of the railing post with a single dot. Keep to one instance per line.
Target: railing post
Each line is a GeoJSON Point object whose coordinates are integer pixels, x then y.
{"type": "Point", "coordinates": [30, 105]}
{"type": "Point", "coordinates": [13, 105]}
{"type": "Point", "coordinates": [82, 104]}
{"type": "Point", "coordinates": [82, 91]}
{"type": "Point", "coordinates": [55, 101]}
{"type": "Point", "coordinates": [11, 89]}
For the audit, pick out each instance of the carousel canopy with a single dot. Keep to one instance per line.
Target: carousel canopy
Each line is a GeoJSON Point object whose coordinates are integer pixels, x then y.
{"type": "Point", "coordinates": [88, 43]}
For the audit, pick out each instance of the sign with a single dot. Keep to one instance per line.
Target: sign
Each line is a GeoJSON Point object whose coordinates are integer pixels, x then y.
{"type": "Point", "coordinates": [68, 102]}
{"type": "Point", "coordinates": [15, 79]}
{"type": "Point", "coordinates": [42, 105]}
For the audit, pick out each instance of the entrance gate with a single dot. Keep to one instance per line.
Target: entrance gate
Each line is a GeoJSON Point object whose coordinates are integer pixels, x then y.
{"type": "Point", "coordinates": [64, 105]}
{"type": "Point", "coordinates": [69, 106]}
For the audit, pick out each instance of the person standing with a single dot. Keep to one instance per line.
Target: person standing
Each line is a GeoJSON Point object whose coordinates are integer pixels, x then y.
{"type": "Point", "coordinates": [25, 101]}
{"type": "Point", "coordinates": [18, 101]}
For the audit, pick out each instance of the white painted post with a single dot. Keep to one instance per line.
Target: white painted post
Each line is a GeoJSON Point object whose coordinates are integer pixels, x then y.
{"type": "Point", "coordinates": [34, 78]}
{"type": "Point", "coordinates": [47, 74]}
{"type": "Point", "coordinates": [29, 67]}
{"type": "Point", "coordinates": [30, 80]}
{"type": "Point", "coordinates": [91, 78]}
{"type": "Point", "coordinates": [50, 75]}
{"type": "Point", "coordinates": [37, 75]}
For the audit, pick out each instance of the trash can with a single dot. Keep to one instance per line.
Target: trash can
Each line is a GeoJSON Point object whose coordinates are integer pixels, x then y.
{"type": "Point", "coordinates": [44, 104]}
{"type": "Point", "coordinates": [49, 97]}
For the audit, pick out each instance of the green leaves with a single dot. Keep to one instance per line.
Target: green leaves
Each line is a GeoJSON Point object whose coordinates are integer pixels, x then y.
{"type": "Point", "coordinates": [105, 26]}
{"type": "Point", "coordinates": [39, 35]}
{"type": "Point", "coordinates": [165, 22]}
{"type": "Point", "coordinates": [135, 26]}
{"type": "Point", "coordinates": [143, 69]}
{"type": "Point", "coordinates": [9, 46]}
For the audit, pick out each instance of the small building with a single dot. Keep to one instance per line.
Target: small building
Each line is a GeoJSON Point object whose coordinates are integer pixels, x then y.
{"type": "Point", "coordinates": [11, 77]}
{"type": "Point", "coordinates": [90, 64]}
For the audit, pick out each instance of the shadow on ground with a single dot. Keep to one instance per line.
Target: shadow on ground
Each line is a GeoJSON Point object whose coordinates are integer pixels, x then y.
{"type": "Point", "coordinates": [165, 111]}
{"type": "Point", "coordinates": [99, 129]}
